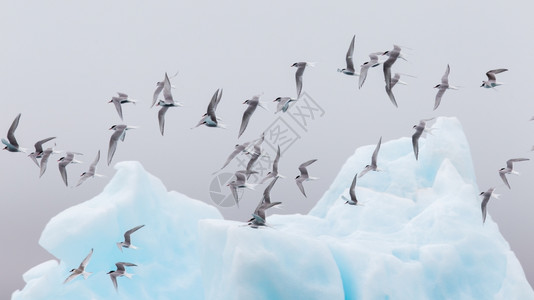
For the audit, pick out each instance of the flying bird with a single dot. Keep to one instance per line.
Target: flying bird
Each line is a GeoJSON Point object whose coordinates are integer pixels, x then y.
{"type": "Point", "coordinates": [274, 172]}
{"type": "Point", "coordinates": [353, 200]}
{"type": "Point", "coordinates": [127, 240]}
{"type": "Point", "coordinates": [283, 103]}
{"type": "Point", "coordinates": [64, 162]}
{"type": "Point", "coordinates": [11, 144]}
{"type": "Point", "coordinates": [120, 133]}
{"type": "Point", "coordinates": [443, 86]}
{"type": "Point", "coordinates": [118, 101]}
{"type": "Point", "coordinates": [258, 216]}
{"type": "Point", "coordinates": [304, 175]}
{"type": "Point", "coordinates": [166, 103]}
{"type": "Point", "coordinates": [485, 198]}
{"type": "Point", "coordinates": [81, 269]}
{"type": "Point", "coordinates": [393, 55]}
{"type": "Point", "coordinates": [121, 271]}
{"type": "Point", "coordinates": [349, 70]}
{"type": "Point", "coordinates": [252, 105]}
{"type": "Point", "coordinates": [492, 82]}
{"type": "Point", "coordinates": [239, 148]}
{"type": "Point", "coordinates": [364, 68]}
{"type": "Point", "coordinates": [209, 118]}
{"type": "Point", "coordinates": [372, 166]}
{"type": "Point", "coordinates": [238, 183]}
{"type": "Point", "coordinates": [509, 169]}
{"type": "Point", "coordinates": [159, 88]}
{"type": "Point", "coordinates": [298, 75]}
{"type": "Point", "coordinates": [38, 153]}
{"type": "Point", "coordinates": [419, 129]}
{"type": "Point", "coordinates": [91, 172]}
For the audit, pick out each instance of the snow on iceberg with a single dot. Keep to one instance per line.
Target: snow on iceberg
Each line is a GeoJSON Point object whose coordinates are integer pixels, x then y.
{"type": "Point", "coordinates": [417, 235]}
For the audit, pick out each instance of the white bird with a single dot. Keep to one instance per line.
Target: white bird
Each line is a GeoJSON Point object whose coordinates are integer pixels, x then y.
{"type": "Point", "coordinates": [258, 216]}
{"type": "Point", "coordinates": [209, 118]}
{"type": "Point", "coordinates": [127, 239]}
{"type": "Point", "coordinates": [353, 200]}
{"type": "Point", "coordinates": [120, 133]}
{"type": "Point", "coordinates": [91, 172]}
{"type": "Point", "coordinates": [349, 70]}
{"type": "Point", "coordinates": [252, 105]}
{"type": "Point", "coordinates": [11, 144]}
{"type": "Point", "coordinates": [304, 175]}
{"type": "Point", "coordinates": [64, 162]}
{"type": "Point", "coordinates": [166, 103]}
{"type": "Point", "coordinates": [38, 153]}
{"type": "Point", "coordinates": [298, 75]}
{"type": "Point", "coordinates": [510, 169]}
{"type": "Point", "coordinates": [274, 173]}
{"type": "Point", "coordinates": [486, 196]}
{"type": "Point", "coordinates": [81, 269]}
{"type": "Point", "coordinates": [443, 86]}
{"type": "Point", "coordinates": [372, 166]}
{"type": "Point", "coordinates": [283, 103]}
{"type": "Point", "coordinates": [393, 55]}
{"type": "Point", "coordinates": [239, 183]}
{"type": "Point", "coordinates": [118, 101]}
{"type": "Point", "coordinates": [121, 271]}
{"type": "Point", "coordinates": [364, 68]}
{"type": "Point", "coordinates": [492, 81]}
{"type": "Point", "coordinates": [159, 88]}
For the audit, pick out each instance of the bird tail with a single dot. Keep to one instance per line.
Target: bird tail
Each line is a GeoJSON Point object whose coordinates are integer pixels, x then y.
{"type": "Point", "coordinates": [250, 186]}
{"type": "Point", "coordinates": [128, 275]}
{"type": "Point", "coordinates": [311, 63]}
{"type": "Point", "coordinates": [86, 274]}
{"type": "Point", "coordinates": [313, 178]}
{"type": "Point", "coordinates": [75, 161]}
{"type": "Point", "coordinates": [496, 196]}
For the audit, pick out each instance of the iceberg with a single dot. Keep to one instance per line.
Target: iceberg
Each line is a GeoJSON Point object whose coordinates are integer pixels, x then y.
{"type": "Point", "coordinates": [418, 234]}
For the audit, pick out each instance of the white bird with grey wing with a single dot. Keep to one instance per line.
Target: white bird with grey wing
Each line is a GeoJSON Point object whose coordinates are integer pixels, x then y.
{"type": "Point", "coordinates": [373, 166]}
{"type": "Point", "coordinates": [81, 269]}
{"type": "Point", "coordinates": [485, 198]}
{"type": "Point", "coordinates": [38, 153]}
{"type": "Point", "coordinates": [510, 169]}
{"type": "Point", "coordinates": [349, 69]}
{"type": "Point", "coordinates": [127, 238]}
{"type": "Point", "coordinates": [11, 143]}
{"type": "Point", "coordinates": [121, 271]}
{"type": "Point", "coordinates": [64, 162]}
{"type": "Point", "coordinates": [91, 172]}
{"type": "Point", "coordinates": [304, 175]}
{"type": "Point", "coordinates": [121, 99]}
{"type": "Point", "coordinates": [492, 80]}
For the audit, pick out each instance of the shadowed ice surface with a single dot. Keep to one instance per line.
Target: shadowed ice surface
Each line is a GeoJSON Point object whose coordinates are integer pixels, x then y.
{"type": "Point", "coordinates": [418, 234]}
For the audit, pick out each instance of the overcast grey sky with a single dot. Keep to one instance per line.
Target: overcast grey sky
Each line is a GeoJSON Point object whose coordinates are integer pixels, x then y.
{"type": "Point", "coordinates": [62, 61]}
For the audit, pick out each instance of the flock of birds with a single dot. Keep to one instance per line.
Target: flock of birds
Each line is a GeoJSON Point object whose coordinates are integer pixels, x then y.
{"type": "Point", "coordinates": [113, 274]}
{"type": "Point", "coordinates": [250, 148]}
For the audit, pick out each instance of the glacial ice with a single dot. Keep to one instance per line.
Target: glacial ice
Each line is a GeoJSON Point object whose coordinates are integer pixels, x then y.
{"type": "Point", "coordinates": [417, 235]}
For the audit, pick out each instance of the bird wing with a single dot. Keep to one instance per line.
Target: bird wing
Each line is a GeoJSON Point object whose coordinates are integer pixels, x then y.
{"type": "Point", "coordinates": [483, 206]}
{"type": "Point", "coordinates": [158, 90]}
{"type": "Point", "coordinates": [375, 153]}
{"type": "Point", "coordinates": [118, 106]}
{"type": "Point", "coordinates": [161, 118]}
{"type": "Point", "coordinates": [276, 159]}
{"type": "Point", "coordinates": [167, 90]}
{"type": "Point", "coordinates": [246, 117]}
{"type": "Point", "coordinates": [63, 172]}
{"type": "Point", "coordinates": [504, 179]}
{"type": "Point", "coordinates": [302, 167]}
{"type": "Point", "coordinates": [415, 141]}
{"type": "Point", "coordinates": [95, 162]}
{"type": "Point", "coordinates": [352, 187]}
{"type": "Point", "coordinates": [301, 187]}
{"type": "Point", "coordinates": [445, 77]}
{"type": "Point", "coordinates": [11, 132]}
{"type": "Point", "coordinates": [113, 144]}
{"type": "Point", "coordinates": [267, 191]}
{"type": "Point", "coordinates": [491, 73]}
{"type": "Point", "coordinates": [298, 78]}
{"type": "Point", "coordinates": [39, 145]}
{"type": "Point", "coordinates": [71, 277]}
{"type": "Point", "coordinates": [114, 280]}
{"type": "Point", "coordinates": [122, 95]}
{"type": "Point", "coordinates": [129, 232]}
{"type": "Point", "coordinates": [510, 162]}
{"type": "Point", "coordinates": [391, 96]}
{"type": "Point", "coordinates": [363, 73]}
{"type": "Point", "coordinates": [86, 260]}
{"type": "Point", "coordinates": [44, 161]}
{"type": "Point", "coordinates": [440, 93]}
{"type": "Point", "coordinates": [348, 58]}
